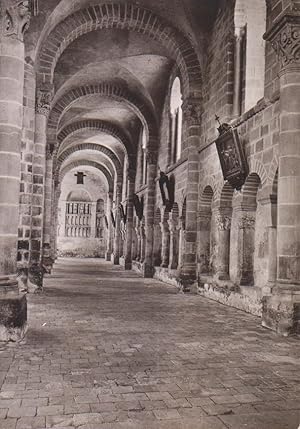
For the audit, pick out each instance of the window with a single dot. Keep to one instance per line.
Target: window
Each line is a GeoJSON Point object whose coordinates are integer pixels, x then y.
{"type": "Point", "coordinates": [250, 26]}
{"type": "Point", "coordinates": [176, 121]}
{"type": "Point", "coordinates": [144, 157]}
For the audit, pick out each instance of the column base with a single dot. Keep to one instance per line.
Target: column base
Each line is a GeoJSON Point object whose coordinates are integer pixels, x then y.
{"type": "Point", "coordinates": [48, 265]}
{"type": "Point", "coordinates": [13, 311]}
{"type": "Point", "coordinates": [281, 311]}
{"type": "Point", "coordinates": [116, 260]}
{"type": "Point", "coordinates": [108, 256]}
{"type": "Point", "coordinates": [147, 270]}
{"type": "Point", "coordinates": [22, 278]}
{"type": "Point", "coordinates": [222, 276]}
{"type": "Point", "coordinates": [35, 279]}
{"type": "Point", "coordinates": [128, 265]}
{"type": "Point", "coordinates": [247, 280]}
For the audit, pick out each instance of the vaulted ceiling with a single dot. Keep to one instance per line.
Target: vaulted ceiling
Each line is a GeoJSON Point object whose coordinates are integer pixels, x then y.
{"type": "Point", "coordinates": [132, 61]}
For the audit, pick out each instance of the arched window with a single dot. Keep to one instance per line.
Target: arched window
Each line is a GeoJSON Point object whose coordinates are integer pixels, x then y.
{"type": "Point", "coordinates": [176, 120]}
{"type": "Point", "coordinates": [250, 26]}
{"type": "Point", "coordinates": [144, 156]}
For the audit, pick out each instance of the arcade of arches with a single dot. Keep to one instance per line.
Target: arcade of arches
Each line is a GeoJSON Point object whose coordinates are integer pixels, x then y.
{"type": "Point", "coordinates": [108, 147]}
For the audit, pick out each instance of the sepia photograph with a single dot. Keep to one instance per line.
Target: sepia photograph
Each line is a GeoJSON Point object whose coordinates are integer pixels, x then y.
{"type": "Point", "coordinates": [150, 214]}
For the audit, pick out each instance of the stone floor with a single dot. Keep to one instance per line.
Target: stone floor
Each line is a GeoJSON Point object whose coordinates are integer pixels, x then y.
{"type": "Point", "coordinates": [107, 349]}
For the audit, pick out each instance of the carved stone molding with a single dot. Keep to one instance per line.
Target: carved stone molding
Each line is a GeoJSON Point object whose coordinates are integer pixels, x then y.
{"type": "Point", "coordinates": [43, 100]}
{"type": "Point", "coordinates": [223, 222]}
{"type": "Point", "coordinates": [192, 111]}
{"type": "Point", "coordinates": [14, 18]}
{"type": "Point", "coordinates": [285, 39]}
{"type": "Point", "coordinates": [247, 222]}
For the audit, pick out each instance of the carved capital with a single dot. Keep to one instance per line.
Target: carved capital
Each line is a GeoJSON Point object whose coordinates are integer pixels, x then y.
{"type": "Point", "coordinates": [192, 111]}
{"type": "Point", "coordinates": [285, 39]}
{"type": "Point", "coordinates": [223, 222]}
{"type": "Point", "coordinates": [43, 100]}
{"type": "Point", "coordinates": [14, 18]}
{"type": "Point", "coordinates": [152, 157]}
{"type": "Point", "coordinates": [247, 222]}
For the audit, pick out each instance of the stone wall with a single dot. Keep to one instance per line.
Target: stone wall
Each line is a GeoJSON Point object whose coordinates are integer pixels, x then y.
{"type": "Point", "coordinates": [86, 247]}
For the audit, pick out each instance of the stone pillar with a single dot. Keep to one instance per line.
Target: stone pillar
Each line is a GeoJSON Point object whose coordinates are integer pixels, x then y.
{"type": "Point", "coordinates": [110, 227]}
{"type": "Point", "coordinates": [138, 235]}
{"type": "Point", "coordinates": [129, 224]}
{"type": "Point", "coordinates": [157, 245]}
{"type": "Point", "coordinates": [39, 200]}
{"type": "Point", "coordinates": [174, 242]}
{"type": "Point", "coordinates": [272, 270]}
{"type": "Point", "coordinates": [116, 251]}
{"type": "Point", "coordinates": [47, 257]}
{"type": "Point", "coordinates": [143, 241]}
{"type": "Point", "coordinates": [246, 226]}
{"type": "Point", "coordinates": [181, 245]}
{"type": "Point", "coordinates": [192, 111]}
{"type": "Point", "coordinates": [223, 222]}
{"type": "Point", "coordinates": [148, 267]}
{"type": "Point", "coordinates": [282, 310]}
{"type": "Point", "coordinates": [14, 20]}
{"type": "Point", "coordinates": [93, 219]}
{"type": "Point", "coordinates": [204, 222]}
{"type": "Point", "coordinates": [165, 251]}
{"type": "Point", "coordinates": [237, 91]}
{"type": "Point", "coordinates": [54, 223]}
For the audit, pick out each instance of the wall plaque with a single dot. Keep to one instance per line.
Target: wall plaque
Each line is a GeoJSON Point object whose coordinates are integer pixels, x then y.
{"type": "Point", "coordinates": [232, 157]}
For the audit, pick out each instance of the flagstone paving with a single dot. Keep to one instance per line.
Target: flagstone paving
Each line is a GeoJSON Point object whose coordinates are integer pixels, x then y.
{"type": "Point", "coordinates": [107, 349]}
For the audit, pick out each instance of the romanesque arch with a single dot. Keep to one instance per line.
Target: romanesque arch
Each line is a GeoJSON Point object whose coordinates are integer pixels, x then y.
{"type": "Point", "coordinates": [94, 125]}
{"type": "Point", "coordinates": [86, 163]}
{"type": "Point", "coordinates": [90, 146]}
{"type": "Point", "coordinates": [122, 16]}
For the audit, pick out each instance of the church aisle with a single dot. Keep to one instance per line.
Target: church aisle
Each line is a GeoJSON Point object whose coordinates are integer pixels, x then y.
{"type": "Point", "coordinates": [108, 349]}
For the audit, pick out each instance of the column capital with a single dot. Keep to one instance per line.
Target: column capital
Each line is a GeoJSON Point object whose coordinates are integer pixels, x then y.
{"type": "Point", "coordinates": [44, 96]}
{"type": "Point", "coordinates": [285, 39]}
{"type": "Point", "coordinates": [192, 111]}
{"type": "Point", "coordinates": [15, 18]}
{"type": "Point", "coordinates": [223, 222]}
{"type": "Point", "coordinates": [246, 222]}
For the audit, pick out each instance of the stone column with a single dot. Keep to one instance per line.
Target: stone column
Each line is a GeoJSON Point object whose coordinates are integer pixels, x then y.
{"type": "Point", "coordinates": [237, 91]}
{"type": "Point", "coordinates": [148, 268]}
{"type": "Point", "coordinates": [246, 226]}
{"type": "Point", "coordinates": [174, 242]}
{"type": "Point", "coordinates": [39, 199]}
{"type": "Point", "coordinates": [116, 251]}
{"type": "Point", "coordinates": [223, 222]}
{"type": "Point", "coordinates": [204, 222]}
{"type": "Point", "coordinates": [143, 240]}
{"type": "Point", "coordinates": [272, 271]}
{"type": "Point", "coordinates": [14, 20]}
{"type": "Point", "coordinates": [165, 251]}
{"type": "Point", "coordinates": [110, 227]}
{"type": "Point", "coordinates": [181, 244]}
{"type": "Point", "coordinates": [192, 111]}
{"type": "Point", "coordinates": [282, 311]}
{"type": "Point", "coordinates": [138, 235]}
{"type": "Point", "coordinates": [93, 219]}
{"type": "Point", "coordinates": [129, 224]}
{"type": "Point", "coordinates": [47, 257]}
